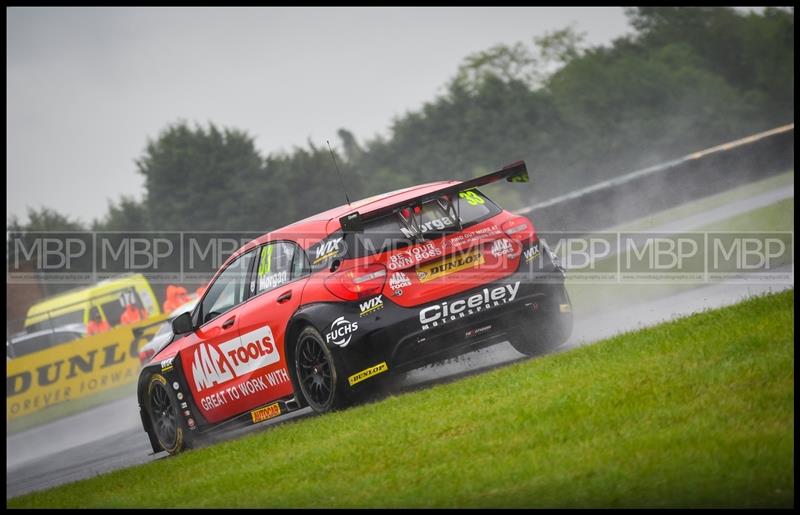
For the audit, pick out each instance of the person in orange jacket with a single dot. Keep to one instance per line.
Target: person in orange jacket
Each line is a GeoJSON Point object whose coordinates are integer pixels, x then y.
{"type": "Point", "coordinates": [132, 314]}
{"type": "Point", "coordinates": [181, 296]}
{"type": "Point", "coordinates": [169, 304]}
{"type": "Point", "coordinates": [177, 296]}
{"type": "Point", "coordinates": [96, 323]}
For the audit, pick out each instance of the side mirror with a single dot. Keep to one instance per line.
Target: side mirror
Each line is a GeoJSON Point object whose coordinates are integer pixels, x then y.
{"type": "Point", "coordinates": [182, 323]}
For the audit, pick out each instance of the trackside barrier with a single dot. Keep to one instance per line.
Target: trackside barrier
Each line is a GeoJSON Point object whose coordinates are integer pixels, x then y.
{"type": "Point", "coordinates": [76, 369]}
{"type": "Point", "coordinates": [665, 185]}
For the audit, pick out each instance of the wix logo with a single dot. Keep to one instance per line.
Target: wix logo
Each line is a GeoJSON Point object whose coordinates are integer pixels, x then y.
{"type": "Point", "coordinates": [327, 249]}
{"type": "Point", "coordinates": [531, 253]}
{"type": "Point", "coordinates": [373, 304]}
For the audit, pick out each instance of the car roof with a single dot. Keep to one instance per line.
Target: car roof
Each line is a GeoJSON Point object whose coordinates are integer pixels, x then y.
{"type": "Point", "coordinates": [321, 224]}
{"type": "Point", "coordinates": [76, 296]}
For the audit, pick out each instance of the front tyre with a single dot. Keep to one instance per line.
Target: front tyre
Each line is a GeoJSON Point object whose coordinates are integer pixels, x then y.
{"type": "Point", "coordinates": [316, 373]}
{"type": "Point", "coordinates": [162, 407]}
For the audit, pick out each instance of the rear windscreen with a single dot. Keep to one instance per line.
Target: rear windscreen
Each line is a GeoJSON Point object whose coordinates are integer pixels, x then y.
{"type": "Point", "coordinates": [430, 221]}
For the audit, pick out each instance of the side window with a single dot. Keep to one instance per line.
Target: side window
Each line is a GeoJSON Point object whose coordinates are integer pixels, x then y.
{"type": "Point", "coordinates": [274, 266]}
{"type": "Point", "coordinates": [114, 308]}
{"type": "Point", "coordinates": [300, 266]}
{"type": "Point", "coordinates": [229, 290]}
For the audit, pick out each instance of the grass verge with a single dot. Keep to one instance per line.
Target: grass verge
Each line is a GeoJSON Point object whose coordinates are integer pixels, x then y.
{"type": "Point", "coordinates": [695, 412]}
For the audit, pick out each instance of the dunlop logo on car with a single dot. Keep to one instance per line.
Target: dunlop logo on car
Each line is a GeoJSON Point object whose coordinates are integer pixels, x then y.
{"type": "Point", "coordinates": [454, 264]}
{"type": "Point", "coordinates": [366, 374]}
{"type": "Point", "coordinates": [266, 413]}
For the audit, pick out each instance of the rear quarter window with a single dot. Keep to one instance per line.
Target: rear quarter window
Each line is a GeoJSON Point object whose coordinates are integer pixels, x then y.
{"type": "Point", "coordinates": [322, 254]}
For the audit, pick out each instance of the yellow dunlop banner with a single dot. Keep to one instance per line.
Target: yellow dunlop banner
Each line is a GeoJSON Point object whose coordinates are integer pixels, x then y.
{"type": "Point", "coordinates": [76, 369]}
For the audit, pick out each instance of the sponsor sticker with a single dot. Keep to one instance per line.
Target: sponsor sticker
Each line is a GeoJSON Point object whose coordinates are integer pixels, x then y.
{"type": "Point", "coordinates": [341, 332]}
{"type": "Point", "coordinates": [371, 305]}
{"type": "Point", "coordinates": [438, 224]}
{"type": "Point", "coordinates": [502, 247]}
{"type": "Point", "coordinates": [367, 373]}
{"type": "Point", "coordinates": [565, 308]}
{"type": "Point", "coordinates": [398, 281]}
{"type": "Point", "coordinates": [451, 265]}
{"type": "Point", "coordinates": [328, 249]}
{"type": "Point", "coordinates": [477, 331]}
{"type": "Point", "coordinates": [166, 365]}
{"type": "Point", "coordinates": [417, 254]}
{"type": "Point", "coordinates": [400, 260]}
{"type": "Point", "coordinates": [531, 253]}
{"type": "Point", "coordinates": [448, 311]}
{"type": "Point", "coordinates": [265, 413]}
{"type": "Point", "coordinates": [214, 365]}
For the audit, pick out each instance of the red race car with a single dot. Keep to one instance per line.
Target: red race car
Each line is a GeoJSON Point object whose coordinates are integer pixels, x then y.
{"type": "Point", "coordinates": [321, 311]}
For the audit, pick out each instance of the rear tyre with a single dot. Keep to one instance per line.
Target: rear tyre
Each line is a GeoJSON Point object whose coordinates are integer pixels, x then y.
{"type": "Point", "coordinates": [315, 369]}
{"type": "Point", "coordinates": [165, 420]}
{"type": "Point", "coordinates": [535, 340]}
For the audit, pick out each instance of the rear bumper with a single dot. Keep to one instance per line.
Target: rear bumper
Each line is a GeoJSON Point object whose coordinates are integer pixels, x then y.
{"type": "Point", "coordinates": [408, 338]}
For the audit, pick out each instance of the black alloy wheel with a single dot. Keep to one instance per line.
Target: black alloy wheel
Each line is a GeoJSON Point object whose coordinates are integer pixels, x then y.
{"type": "Point", "coordinates": [164, 415]}
{"type": "Point", "coordinates": [316, 372]}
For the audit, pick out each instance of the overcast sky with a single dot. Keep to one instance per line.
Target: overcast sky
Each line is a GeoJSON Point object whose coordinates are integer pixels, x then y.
{"type": "Point", "coordinates": [86, 87]}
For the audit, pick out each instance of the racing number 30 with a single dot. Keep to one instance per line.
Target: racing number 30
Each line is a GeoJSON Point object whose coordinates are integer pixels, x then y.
{"type": "Point", "coordinates": [471, 197]}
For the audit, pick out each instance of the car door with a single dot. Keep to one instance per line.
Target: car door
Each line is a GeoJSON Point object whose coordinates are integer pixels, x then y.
{"type": "Point", "coordinates": [280, 273]}
{"type": "Point", "coordinates": [212, 363]}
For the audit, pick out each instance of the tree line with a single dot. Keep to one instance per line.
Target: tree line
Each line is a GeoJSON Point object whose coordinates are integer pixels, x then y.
{"type": "Point", "coordinates": [683, 79]}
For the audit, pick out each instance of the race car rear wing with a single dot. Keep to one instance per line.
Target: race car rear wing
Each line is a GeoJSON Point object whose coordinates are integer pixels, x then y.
{"type": "Point", "coordinates": [514, 172]}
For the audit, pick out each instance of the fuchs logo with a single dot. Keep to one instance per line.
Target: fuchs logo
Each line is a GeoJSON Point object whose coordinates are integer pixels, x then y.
{"type": "Point", "coordinates": [398, 281]}
{"type": "Point", "coordinates": [440, 314]}
{"type": "Point", "coordinates": [502, 247]}
{"type": "Point", "coordinates": [439, 224]}
{"type": "Point", "coordinates": [327, 249]}
{"type": "Point", "coordinates": [215, 365]}
{"type": "Point", "coordinates": [373, 304]}
{"type": "Point", "coordinates": [341, 332]}
{"type": "Point", "coordinates": [531, 253]}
